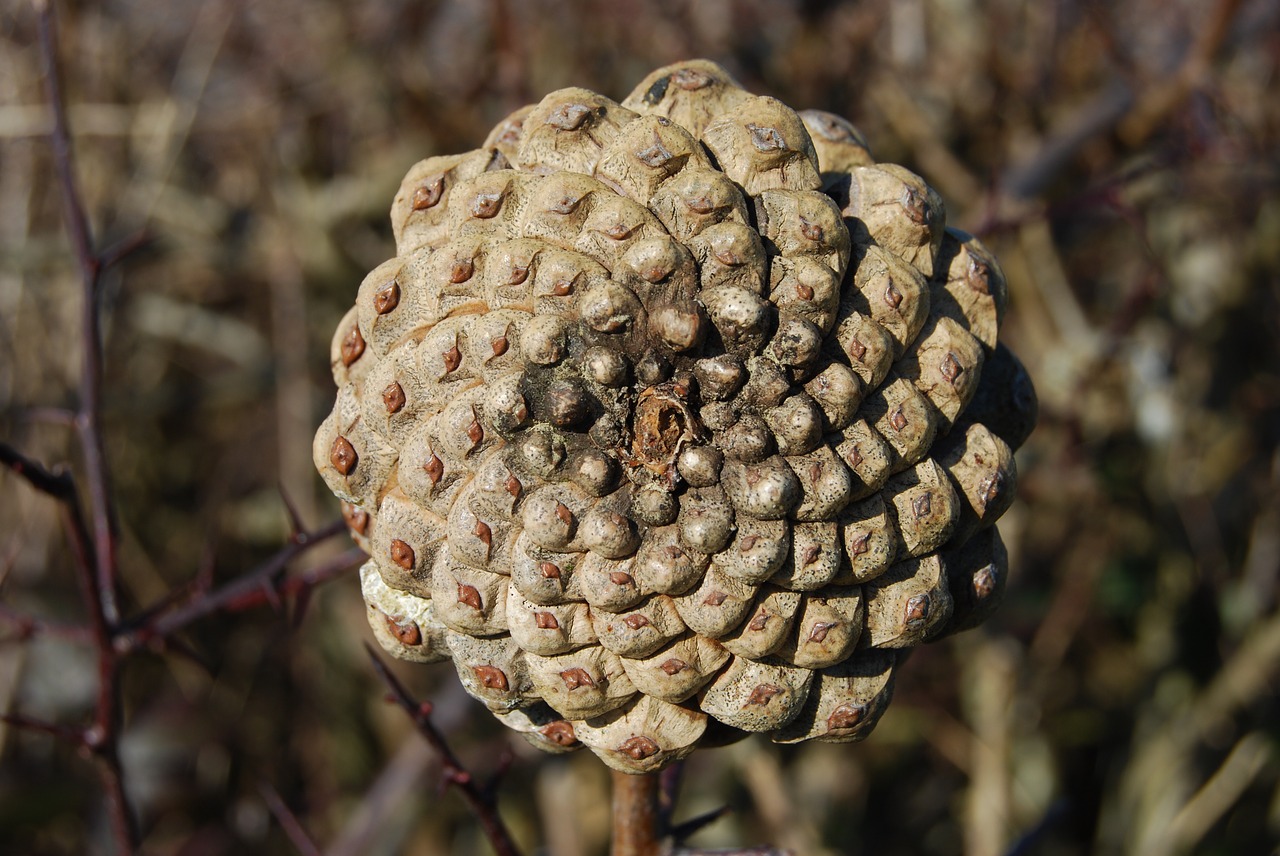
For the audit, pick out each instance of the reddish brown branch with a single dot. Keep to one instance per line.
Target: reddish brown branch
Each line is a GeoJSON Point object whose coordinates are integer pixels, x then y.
{"type": "Point", "coordinates": [479, 799]}
{"type": "Point", "coordinates": [74, 736]}
{"type": "Point", "coordinates": [288, 821]}
{"type": "Point", "coordinates": [29, 625]}
{"type": "Point", "coordinates": [89, 415]}
{"type": "Point", "coordinates": [263, 584]}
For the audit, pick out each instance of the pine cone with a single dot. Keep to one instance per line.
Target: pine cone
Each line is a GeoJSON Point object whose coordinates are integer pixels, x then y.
{"type": "Point", "coordinates": [671, 411]}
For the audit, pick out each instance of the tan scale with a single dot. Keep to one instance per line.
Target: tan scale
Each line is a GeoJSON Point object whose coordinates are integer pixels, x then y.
{"type": "Point", "coordinates": [816, 557]}
{"type": "Point", "coordinates": [757, 696]}
{"type": "Point", "coordinates": [982, 468]}
{"type": "Point", "coordinates": [586, 682]}
{"type": "Point", "coordinates": [647, 153]}
{"type": "Point", "coordinates": [969, 287]}
{"type": "Point", "coordinates": [679, 669]}
{"type": "Point", "coordinates": [548, 630]}
{"type": "Point", "coordinates": [765, 627]}
{"type": "Point", "coordinates": [893, 293]}
{"type": "Point", "coordinates": [907, 604]}
{"type": "Point", "coordinates": [567, 131]}
{"type": "Point", "coordinates": [826, 629]}
{"type": "Point", "coordinates": [646, 735]}
{"type": "Point", "coordinates": [892, 207]}
{"type": "Point", "coordinates": [846, 701]}
{"type": "Point", "coordinates": [640, 630]}
{"type": "Point", "coordinates": [404, 624]}
{"type": "Point", "coordinates": [925, 507]}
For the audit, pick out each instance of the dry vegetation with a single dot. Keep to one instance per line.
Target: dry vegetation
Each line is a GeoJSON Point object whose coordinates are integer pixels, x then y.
{"type": "Point", "coordinates": [1119, 158]}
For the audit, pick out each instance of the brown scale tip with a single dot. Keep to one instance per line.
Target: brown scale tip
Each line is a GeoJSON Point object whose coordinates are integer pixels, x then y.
{"type": "Point", "coordinates": [690, 79]}
{"type": "Point", "coordinates": [406, 632]}
{"type": "Point", "coordinates": [482, 531]}
{"type": "Point", "coordinates": [568, 117]}
{"type": "Point", "coordinates": [402, 554]}
{"type": "Point", "coordinates": [984, 582]}
{"type": "Point", "coordinates": [452, 358]}
{"type": "Point", "coordinates": [393, 397]}
{"type": "Point", "coordinates": [655, 155]}
{"type": "Point", "coordinates": [951, 369]}
{"type": "Point", "coordinates": [470, 596]}
{"type": "Point", "coordinates": [892, 296]}
{"type": "Point", "coordinates": [357, 518]}
{"type": "Point", "coordinates": [635, 622]}
{"type": "Point", "coordinates": [387, 298]}
{"type": "Point", "coordinates": [913, 203]}
{"type": "Point", "coordinates": [701, 204]}
{"type": "Point", "coordinates": [763, 694]}
{"type": "Point", "coordinates": [639, 747]}
{"type": "Point", "coordinates": [804, 292]}
{"type": "Point", "coordinates": [352, 346]}
{"type": "Point", "coordinates": [854, 457]}
{"type": "Point", "coordinates": [486, 205]}
{"type": "Point", "coordinates": [859, 545]}
{"type": "Point", "coordinates": [461, 271]}
{"type": "Point", "coordinates": [546, 621]}
{"type": "Point", "coordinates": [577, 677]}
{"type": "Point", "coordinates": [475, 432]}
{"type": "Point", "coordinates": [513, 486]}
{"type": "Point", "coordinates": [766, 139]}
{"type": "Point", "coordinates": [759, 622]}
{"type": "Point", "coordinates": [857, 350]}
{"type": "Point", "coordinates": [716, 598]}
{"type": "Point", "coordinates": [343, 455]}
{"type": "Point", "coordinates": [500, 345]}
{"type": "Point", "coordinates": [491, 677]}
{"type": "Point", "coordinates": [427, 194]}
{"type": "Point", "coordinates": [549, 570]}
{"type": "Point", "coordinates": [559, 732]}
{"type": "Point", "coordinates": [898, 419]}
{"type": "Point", "coordinates": [819, 632]}
{"type": "Point", "coordinates": [434, 468]}
{"type": "Point", "coordinates": [674, 666]}
{"type": "Point", "coordinates": [917, 610]}
{"type": "Point", "coordinates": [566, 204]}
{"type": "Point", "coordinates": [990, 488]}
{"type": "Point", "coordinates": [620, 578]}
{"type": "Point", "coordinates": [922, 505]}
{"type": "Point", "coordinates": [846, 715]}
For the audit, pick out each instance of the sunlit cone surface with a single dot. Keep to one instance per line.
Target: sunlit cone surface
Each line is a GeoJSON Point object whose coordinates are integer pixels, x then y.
{"type": "Point", "coordinates": [673, 420]}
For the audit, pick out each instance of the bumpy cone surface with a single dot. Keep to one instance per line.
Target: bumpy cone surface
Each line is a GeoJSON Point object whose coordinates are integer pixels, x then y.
{"type": "Point", "coordinates": [674, 420]}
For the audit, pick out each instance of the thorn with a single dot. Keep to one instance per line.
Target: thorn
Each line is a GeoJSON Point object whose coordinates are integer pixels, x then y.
{"type": "Point", "coordinates": [686, 829]}
{"type": "Point", "coordinates": [301, 601]}
{"type": "Point", "coordinates": [272, 596]}
{"type": "Point", "coordinates": [297, 529]}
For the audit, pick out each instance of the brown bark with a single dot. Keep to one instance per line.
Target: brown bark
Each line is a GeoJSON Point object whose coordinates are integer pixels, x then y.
{"type": "Point", "coordinates": [636, 818]}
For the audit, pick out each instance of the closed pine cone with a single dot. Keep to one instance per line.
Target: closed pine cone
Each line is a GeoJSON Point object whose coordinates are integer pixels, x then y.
{"type": "Point", "coordinates": [674, 420]}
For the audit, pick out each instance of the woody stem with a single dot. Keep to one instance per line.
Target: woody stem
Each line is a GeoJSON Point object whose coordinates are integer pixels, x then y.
{"type": "Point", "coordinates": [636, 815]}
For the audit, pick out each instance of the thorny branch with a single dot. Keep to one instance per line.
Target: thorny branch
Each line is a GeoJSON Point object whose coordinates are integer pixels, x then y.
{"type": "Point", "coordinates": [479, 799]}
{"type": "Point", "coordinates": [288, 821]}
{"type": "Point", "coordinates": [94, 545]}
